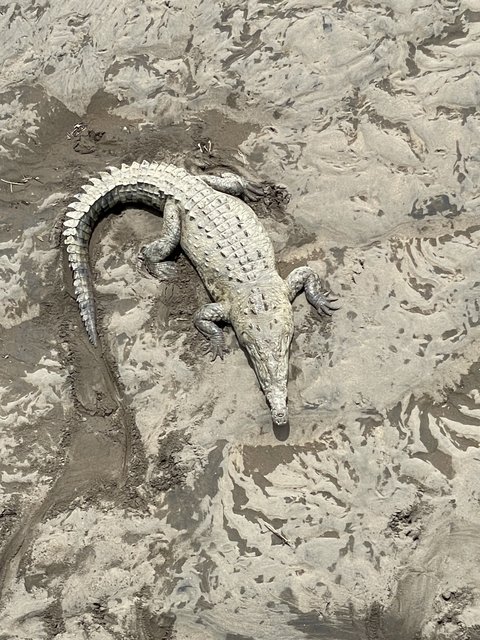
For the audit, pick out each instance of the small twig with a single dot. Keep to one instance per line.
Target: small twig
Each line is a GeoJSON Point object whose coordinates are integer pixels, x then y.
{"type": "Point", "coordinates": [77, 130]}
{"type": "Point", "coordinates": [25, 179]}
{"type": "Point", "coordinates": [278, 534]}
{"type": "Point", "coordinates": [206, 148]}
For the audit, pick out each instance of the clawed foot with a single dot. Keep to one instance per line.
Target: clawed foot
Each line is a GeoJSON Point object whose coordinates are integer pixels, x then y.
{"type": "Point", "coordinates": [235, 185]}
{"type": "Point", "coordinates": [217, 349]}
{"type": "Point", "coordinates": [323, 304]}
{"type": "Point", "coordinates": [240, 186]}
{"type": "Point", "coordinates": [160, 270]}
{"type": "Point", "coordinates": [252, 191]}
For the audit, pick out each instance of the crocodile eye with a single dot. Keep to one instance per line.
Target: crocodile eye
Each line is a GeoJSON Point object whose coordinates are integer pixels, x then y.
{"type": "Point", "coordinates": [285, 341]}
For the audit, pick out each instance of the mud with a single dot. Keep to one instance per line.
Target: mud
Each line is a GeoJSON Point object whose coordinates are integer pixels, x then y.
{"type": "Point", "coordinates": [139, 482]}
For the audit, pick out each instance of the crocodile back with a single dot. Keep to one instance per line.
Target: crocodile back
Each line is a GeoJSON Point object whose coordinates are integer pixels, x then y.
{"type": "Point", "coordinates": [226, 242]}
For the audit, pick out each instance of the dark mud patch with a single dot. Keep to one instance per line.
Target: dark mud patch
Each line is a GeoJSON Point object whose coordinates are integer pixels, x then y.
{"type": "Point", "coordinates": [408, 522]}
{"type": "Point", "coordinates": [96, 444]}
{"type": "Point", "coordinates": [106, 448]}
{"type": "Point", "coordinates": [167, 471]}
{"type": "Point", "coordinates": [151, 626]}
{"type": "Point", "coordinates": [219, 137]}
{"type": "Point", "coordinates": [53, 620]}
{"type": "Point", "coordinates": [9, 515]}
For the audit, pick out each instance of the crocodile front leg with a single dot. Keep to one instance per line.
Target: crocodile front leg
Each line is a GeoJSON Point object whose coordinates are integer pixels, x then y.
{"type": "Point", "coordinates": [234, 185]}
{"type": "Point", "coordinates": [306, 278]}
{"type": "Point", "coordinates": [151, 255]}
{"type": "Point", "coordinates": [205, 319]}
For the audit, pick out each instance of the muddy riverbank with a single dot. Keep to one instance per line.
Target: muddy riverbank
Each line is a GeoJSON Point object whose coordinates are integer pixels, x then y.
{"type": "Point", "coordinates": [139, 482]}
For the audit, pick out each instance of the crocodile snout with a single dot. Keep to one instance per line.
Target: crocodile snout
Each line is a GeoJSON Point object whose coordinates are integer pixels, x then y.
{"type": "Point", "coordinates": [280, 418]}
{"type": "Point", "coordinates": [277, 399]}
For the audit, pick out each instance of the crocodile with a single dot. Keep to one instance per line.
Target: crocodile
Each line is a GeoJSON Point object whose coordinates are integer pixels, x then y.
{"type": "Point", "coordinates": [225, 242]}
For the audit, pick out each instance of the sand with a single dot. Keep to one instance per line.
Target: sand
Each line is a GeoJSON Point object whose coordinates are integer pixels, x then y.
{"type": "Point", "coordinates": [140, 482]}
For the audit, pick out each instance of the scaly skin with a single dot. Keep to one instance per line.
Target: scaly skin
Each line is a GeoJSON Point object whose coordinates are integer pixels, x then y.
{"type": "Point", "coordinates": [228, 246]}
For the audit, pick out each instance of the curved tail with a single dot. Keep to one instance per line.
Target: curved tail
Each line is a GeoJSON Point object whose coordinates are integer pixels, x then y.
{"type": "Point", "coordinates": [146, 183]}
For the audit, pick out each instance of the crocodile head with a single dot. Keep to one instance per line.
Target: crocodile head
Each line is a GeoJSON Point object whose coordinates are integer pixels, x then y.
{"type": "Point", "coordinates": [266, 336]}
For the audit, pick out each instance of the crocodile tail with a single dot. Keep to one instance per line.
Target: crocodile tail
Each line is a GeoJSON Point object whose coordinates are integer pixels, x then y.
{"type": "Point", "coordinates": [78, 224]}
{"type": "Point", "coordinates": [146, 183]}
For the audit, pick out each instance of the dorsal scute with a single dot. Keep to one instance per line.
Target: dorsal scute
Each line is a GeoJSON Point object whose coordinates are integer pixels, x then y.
{"type": "Point", "coordinates": [77, 250]}
{"type": "Point", "coordinates": [80, 205]}
{"type": "Point", "coordinates": [76, 240]}
{"type": "Point", "coordinates": [74, 215]}
{"type": "Point", "coordinates": [68, 222]}
{"type": "Point", "coordinates": [114, 171]}
{"type": "Point", "coordinates": [92, 191]}
{"type": "Point", "coordinates": [106, 177]}
{"type": "Point", "coordinates": [97, 182]}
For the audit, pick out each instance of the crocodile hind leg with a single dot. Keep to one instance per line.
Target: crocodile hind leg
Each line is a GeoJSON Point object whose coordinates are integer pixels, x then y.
{"type": "Point", "coordinates": [205, 319]}
{"type": "Point", "coordinates": [152, 255]}
{"type": "Point", "coordinates": [306, 278]}
{"type": "Point", "coordinates": [234, 185]}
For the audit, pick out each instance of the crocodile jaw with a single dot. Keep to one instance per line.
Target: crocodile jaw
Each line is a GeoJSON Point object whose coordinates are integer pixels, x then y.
{"type": "Point", "coordinates": [269, 357]}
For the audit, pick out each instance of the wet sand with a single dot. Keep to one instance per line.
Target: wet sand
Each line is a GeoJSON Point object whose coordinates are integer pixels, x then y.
{"type": "Point", "coordinates": [139, 481]}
